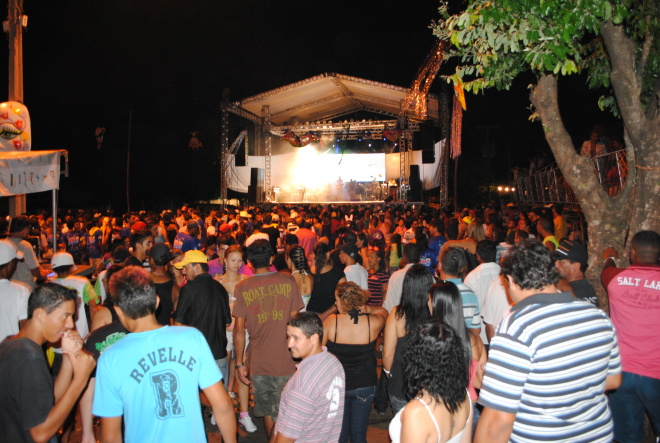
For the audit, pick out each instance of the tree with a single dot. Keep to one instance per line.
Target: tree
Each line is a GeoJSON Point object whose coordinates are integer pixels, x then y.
{"type": "Point", "coordinates": [616, 43]}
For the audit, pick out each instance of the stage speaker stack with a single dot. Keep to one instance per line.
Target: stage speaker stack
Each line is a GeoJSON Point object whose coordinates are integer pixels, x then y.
{"type": "Point", "coordinates": [256, 188]}
{"type": "Point", "coordinates": [415, 184]}
{"type": "Point", "coordinates": [427, 141]}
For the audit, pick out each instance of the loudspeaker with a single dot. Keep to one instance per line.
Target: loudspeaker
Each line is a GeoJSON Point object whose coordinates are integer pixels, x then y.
{"type": "Point", "coordinates": [427, 142]}
{"type": "Point", "coordinates": [415, 184]}
{"type": "Point", "coordinates": [257, 177]}
{"type": "Point", "coordinates": [255, 194]}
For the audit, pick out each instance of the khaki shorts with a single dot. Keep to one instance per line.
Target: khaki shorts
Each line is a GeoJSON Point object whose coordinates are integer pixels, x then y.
{"type": "Point", "coordinates": [267, 390]}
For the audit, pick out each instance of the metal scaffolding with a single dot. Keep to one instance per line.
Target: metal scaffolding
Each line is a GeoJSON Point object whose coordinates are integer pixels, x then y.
{"type": "Point", "coordinates": [265, 117]}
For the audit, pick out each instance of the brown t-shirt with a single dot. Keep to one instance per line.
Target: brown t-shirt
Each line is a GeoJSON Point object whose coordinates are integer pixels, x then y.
{"type": "Point", "coordinates": [266, 301]}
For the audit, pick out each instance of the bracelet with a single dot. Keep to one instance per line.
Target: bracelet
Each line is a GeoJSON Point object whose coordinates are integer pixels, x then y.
{"type": "Point", "coordinates": [239, 366]}
{"type": "Point", "coordinates": [386, 371]}
{"type": "Point", "coordinates": [609, 258]}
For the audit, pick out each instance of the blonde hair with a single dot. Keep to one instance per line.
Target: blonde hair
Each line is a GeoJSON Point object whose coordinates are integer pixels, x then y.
{"type": "Point", "coordinates": [476, 231]}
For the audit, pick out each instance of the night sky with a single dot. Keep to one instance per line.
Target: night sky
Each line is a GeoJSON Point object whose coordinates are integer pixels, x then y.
{"type": "Point", "coordinates": [88, 63]}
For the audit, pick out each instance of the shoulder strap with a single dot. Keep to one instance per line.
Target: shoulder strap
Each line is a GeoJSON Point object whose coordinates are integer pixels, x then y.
{"type": "Point", "coordinates": [435, 422]}
{"type": "Point", "coordinates": [369, 326]}
{"type": "Point", "coordinates": [336, 316]}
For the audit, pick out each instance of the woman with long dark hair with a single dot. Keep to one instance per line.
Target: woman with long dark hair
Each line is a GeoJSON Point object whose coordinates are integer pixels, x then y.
{"type": "Point", "coordinates": [435, 381]}
{"type": "Point", "coordinates": [326, 279]}
{"type": "Point", "coordinates": [297, 263]}
{"type": "Point", "coordinates": [412, 311]}
{"type": "Point", "coordinates": [446, 306]}
{"type": "Point", "coordinates": [351, 336]}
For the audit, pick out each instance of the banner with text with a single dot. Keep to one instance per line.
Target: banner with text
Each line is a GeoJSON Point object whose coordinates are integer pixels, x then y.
{"type": "Point", "coordinates": [27, 172]}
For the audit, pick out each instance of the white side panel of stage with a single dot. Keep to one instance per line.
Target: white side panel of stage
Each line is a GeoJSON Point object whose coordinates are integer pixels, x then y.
{"type": "Point", "coordinates": [239, 176]}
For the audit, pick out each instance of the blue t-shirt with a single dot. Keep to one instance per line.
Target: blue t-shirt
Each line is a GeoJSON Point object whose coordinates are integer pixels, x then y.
{"type": "Point", "coordinates": [429, 259]}
{"type": "Point", "coordinates": [93, 245]}
{"type": "Point", "coordinates": [435, 244]}
{"type": "Point", "coordinates": [72, 239]}
{"type": "Point", "coordinates": [153, 379]}
{"type": "Point", "coordinates": [186, 242]}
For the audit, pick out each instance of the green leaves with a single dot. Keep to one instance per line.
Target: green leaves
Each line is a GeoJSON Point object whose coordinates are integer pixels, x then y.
{"type": "Point", "coordinates": [495, 40]}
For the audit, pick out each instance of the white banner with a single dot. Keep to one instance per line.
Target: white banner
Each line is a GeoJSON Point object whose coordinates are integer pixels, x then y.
{"type": "Point", "coordinates": [27, 172]}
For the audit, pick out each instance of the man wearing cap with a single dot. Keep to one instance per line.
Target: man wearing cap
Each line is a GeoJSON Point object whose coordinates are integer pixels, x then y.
{"type": "Point", "coordinates": [204, 304]}
{"type": "Point", "coordinates": [159, 257]}
{"type": "Point", "coordinates": [571, 263]}
{"type": "Point", "coordinates": [13, 296]}
{"type": "Point", "coordinates": [188, 241]}
{"type": "Point", "coordinates": [28, 268]}
{"type": "Point", "coordinates": [353, 270]}
{"type": "Point", "coordinates": [634, 296]}
{"type": "Point", "coordinates": [63, 264]}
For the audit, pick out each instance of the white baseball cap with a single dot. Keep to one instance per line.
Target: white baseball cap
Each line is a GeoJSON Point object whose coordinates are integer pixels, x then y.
{"type": "Point", "coordinates": [62, 259]}
{"type": "Point", "coordinates": [8, 252]}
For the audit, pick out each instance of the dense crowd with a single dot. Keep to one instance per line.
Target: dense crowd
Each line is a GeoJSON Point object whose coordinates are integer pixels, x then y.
{"type": "Point", "coordinates": [485, 323]}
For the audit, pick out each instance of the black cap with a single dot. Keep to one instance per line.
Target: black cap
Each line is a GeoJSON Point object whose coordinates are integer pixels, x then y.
{"type": "Point", "coordinates": [120, 254]}
{"type": "Point", "coordinates": [571, 250]}
{"type": "Point", "coordinates": [350, 250]}
{"type": "Point", "coordinates": [160, 253]}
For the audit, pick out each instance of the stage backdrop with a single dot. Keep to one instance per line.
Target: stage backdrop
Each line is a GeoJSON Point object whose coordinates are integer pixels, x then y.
{"type": "Point", "coordinates": [306, 167]}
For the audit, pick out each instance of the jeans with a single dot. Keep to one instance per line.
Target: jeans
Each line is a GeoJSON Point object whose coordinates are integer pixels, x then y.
{"type": "Point", "coordinates": [357, 406]}
{"type": "Point", "coordinates": [224, 368]}
{"type": "Point", "coordinates": [636, 395]}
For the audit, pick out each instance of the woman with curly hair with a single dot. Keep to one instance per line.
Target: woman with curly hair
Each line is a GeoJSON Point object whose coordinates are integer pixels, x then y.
{"type": "Point", "coordinates": [412, 311]}
{"type": "Point", "coordinates": [446, 306]}
{"type": "Point", "coordinates": [297, 263]}
{"type": "Point", "coordinates": [435, 381]}
{"type": "Point", "coordinates": [351, 336]}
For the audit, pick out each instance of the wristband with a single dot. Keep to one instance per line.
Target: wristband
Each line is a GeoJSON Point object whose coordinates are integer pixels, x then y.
{"type": "Point", "coordinates": [239, 366]}
{"type": "Point", "coordinates": [386, 371]}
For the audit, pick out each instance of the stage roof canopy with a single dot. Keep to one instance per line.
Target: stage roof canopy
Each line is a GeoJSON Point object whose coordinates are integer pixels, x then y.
{"type": "Point", "coordinates": [326, 97]}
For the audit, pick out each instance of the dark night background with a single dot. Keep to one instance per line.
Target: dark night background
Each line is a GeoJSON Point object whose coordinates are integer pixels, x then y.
{"type": "Point", "coordinates": [88, 63]}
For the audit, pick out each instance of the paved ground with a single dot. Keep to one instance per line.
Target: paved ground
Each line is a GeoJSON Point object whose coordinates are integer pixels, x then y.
{"type": "Point", "coordinates": [377, 432]}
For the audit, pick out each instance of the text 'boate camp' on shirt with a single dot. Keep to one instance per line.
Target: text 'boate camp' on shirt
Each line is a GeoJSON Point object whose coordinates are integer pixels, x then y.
{"type": "Point", "coordinates": [266, 301]}
{"type": "Point", "coordinates": [153, 379]}
{"type": "Point", "coordinates": [547, 364]}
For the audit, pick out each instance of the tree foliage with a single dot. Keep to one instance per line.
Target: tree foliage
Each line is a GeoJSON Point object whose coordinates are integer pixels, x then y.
{"type": "Point", "coordinates": [616, 44]}
{"type": "Point", "coordinates": [496, 40]}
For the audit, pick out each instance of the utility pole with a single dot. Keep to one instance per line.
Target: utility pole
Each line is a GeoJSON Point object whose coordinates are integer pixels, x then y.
{"type": "Point", "coordinates": [15, 31]}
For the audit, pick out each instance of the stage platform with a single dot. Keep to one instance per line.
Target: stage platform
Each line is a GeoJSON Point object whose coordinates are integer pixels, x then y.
{"type": "Point", "coordinates": [341, 203]}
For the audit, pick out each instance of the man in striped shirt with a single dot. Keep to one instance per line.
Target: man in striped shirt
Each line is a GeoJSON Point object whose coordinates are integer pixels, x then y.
{"type": "Point", "coordinates": [312, 404]}
{"type": "Point", "coordinates": [550, 362]}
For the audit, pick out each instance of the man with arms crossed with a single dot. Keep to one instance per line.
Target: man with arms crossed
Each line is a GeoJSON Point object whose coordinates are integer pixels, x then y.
{"type": "Point", "coordinates": [32, 407]}
{"type": "Point", "coordinates": [152, 377]}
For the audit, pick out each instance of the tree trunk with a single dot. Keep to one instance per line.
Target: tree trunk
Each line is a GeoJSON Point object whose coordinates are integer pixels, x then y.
{"type": "Point", "coordinates": [605, 217]}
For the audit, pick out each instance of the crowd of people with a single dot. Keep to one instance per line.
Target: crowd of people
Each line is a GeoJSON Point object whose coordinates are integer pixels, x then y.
{"type": "Point", "coordinates": [482, 320]}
